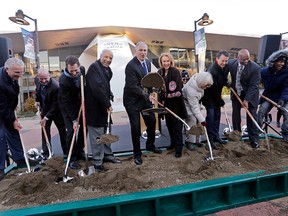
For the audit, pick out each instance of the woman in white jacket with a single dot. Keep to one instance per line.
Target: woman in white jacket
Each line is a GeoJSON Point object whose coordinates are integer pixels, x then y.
{"type": "Point", "coordinates": [193, 91]}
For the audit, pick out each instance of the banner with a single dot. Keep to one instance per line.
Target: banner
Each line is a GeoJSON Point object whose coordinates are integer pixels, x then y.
{"type": "Point", "coordinates": [28, 38]}
{"type": "Point", "coordinates": [200, 48]}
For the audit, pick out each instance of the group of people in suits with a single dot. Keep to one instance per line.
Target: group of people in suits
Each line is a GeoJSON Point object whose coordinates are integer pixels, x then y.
{"type": "Point", "coordinates": [62, 102]}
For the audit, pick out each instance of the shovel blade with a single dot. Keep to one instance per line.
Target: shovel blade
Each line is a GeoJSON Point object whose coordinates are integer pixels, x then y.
{"type": "Point", "coordinates": [86, 172]}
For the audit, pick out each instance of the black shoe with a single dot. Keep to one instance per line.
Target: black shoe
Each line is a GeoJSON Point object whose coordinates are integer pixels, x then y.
{"type": "Point", "coordinates": [113, 160]}
{"type": "Point", "coordinates": [255, 145]}
{"type": "Point", "coordinates": [138, 160]}
{"type": "Point", "coordinates": [221, 141]}
{"type": "Point", "coordinates": [170, 147]}
{"type": "Point", "coordinates": [99, 168]}
{"type": "Point", "coordinates": [190, 146]}
{"type": "Point", "coordinates": [155, 150]}
{"type": "Point", "coordinates": [199, 144]}
{"type": "Point", "coordinates": [178, 154]}
{"type": "Point", "coordinates": [74, 165]}
{"type": "Point", "coordinates": [2, 174]}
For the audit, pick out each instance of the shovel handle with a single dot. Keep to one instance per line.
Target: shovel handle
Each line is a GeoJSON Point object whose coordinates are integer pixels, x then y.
{"type": "Point", "coordinates": [72, 143]}
{"type": "Point", "coordinates": [84, 119]}
{"type": "Point", "coordinates": [209, 144]}
{"type": "Point", "coordinates": [274, 103]}
{"type": "Point", "coordinates": [23, 147]}
{"type": "Point", "coordinates": [171, 112]}
{"type": "Point", "coordinates": [247, 111]}
{"type": "Point", "coordinates": [108, 122]}
{"type": "Point", "coordinates": [46, 136]}
{"type": "Point", "coordinates": [227, 119]}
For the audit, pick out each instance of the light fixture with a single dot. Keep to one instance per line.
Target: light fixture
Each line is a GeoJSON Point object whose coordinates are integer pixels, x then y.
{"type": "Point", "coordinates": [203, 21]}
{"type": "Point", "coordinates": [19, 19]}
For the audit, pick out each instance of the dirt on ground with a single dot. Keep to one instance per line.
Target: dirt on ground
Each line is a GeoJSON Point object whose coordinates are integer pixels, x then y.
{"type": "Point", "coordinates": [20, 189]}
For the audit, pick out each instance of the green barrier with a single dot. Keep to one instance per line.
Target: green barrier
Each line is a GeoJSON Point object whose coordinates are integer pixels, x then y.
{"type": "Point", "coordinates": [198, 198]}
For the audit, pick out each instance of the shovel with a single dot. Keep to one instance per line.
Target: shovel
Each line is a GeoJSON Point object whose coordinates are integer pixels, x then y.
{"type": "Point", "coordinates": [108, 138]}
{"type": "Point", "coordinates": [275, 104]}
{"type": "Point", "coordinates": [209, 145]}
{"type": "Point", "coordinates": [29, 170]}
{"type": "Point", "coordinates": [176, 116]}
{"type": "Point", "coordinates": [46, 137]}
{"type": "Point", "coordinates": [66, 178]}
{"type": "Point", "coordinates": [252, 118]}
{"type": "Point", "coordinates": [88, 170]}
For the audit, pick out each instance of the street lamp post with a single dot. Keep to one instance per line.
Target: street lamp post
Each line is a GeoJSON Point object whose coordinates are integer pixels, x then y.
{"type": "Point", "coordinates": [19, 18]}
{"type": "Point", "coordinates": [203, 21]}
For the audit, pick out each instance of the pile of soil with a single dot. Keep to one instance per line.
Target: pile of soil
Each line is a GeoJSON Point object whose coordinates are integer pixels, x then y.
{"type": "Point", "coordinates": [157, 171]}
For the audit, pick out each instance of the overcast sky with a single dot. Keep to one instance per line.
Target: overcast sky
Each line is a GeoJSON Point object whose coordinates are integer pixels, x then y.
{"type": "Point", "coordinates": [241, 17]}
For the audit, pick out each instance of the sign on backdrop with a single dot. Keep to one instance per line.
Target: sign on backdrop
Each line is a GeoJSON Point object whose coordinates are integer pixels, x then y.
{"type": "Point", "coordinates": [28, 38]}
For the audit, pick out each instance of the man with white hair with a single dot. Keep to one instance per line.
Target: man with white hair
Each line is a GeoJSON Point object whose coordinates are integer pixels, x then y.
{"type": "Point", "coordinates": [9, 126]}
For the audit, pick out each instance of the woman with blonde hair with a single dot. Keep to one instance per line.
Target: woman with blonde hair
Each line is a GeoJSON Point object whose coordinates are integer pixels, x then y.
{"type": "Point", "coordinates": [172, 99]}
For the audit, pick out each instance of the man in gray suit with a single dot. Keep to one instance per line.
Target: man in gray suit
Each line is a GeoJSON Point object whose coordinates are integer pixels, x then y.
{"type": "Point", "coordinates": [246, 76]}
{"type": "Point", "coordinates": [135, 99]}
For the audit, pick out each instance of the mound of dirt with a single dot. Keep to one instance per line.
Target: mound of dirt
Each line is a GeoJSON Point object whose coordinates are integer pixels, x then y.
{"type": "Point", "coordinates": [20, 189]}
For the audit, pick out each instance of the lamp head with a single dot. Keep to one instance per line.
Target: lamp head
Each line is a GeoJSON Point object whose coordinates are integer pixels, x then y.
{"type": "Point", "coordinates": [19, 18]}
{"type": "Point", "coordinates": [205, 20]}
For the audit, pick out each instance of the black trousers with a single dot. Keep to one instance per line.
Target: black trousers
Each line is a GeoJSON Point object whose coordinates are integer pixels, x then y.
{"type": "Point", "coordinates": [59, 122]}
{"type": "Point", "coordinates": [236, 120]}
{"type": "Point", "coordinates": [79, 141]}
{"type": "Point", "coordinates": [150, 122]}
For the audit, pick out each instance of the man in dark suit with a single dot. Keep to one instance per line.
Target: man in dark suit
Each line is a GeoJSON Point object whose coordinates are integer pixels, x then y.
{"type": "Point", "coordinates": [9, 126]}
{"type": "Point", "coordinates": [70, 102]}
{"type": "Point", "coordinates": [98, 106]}
{"type": "Point", "coordinates": [135, 100]}
{"type": "Point", "coordinates": [47, 100]}
{"type": "Point", "coordinates": [245, 75]}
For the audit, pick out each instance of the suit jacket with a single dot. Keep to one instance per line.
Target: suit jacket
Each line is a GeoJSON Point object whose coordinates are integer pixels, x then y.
{"type": "Point", "coordinates": [134, 96]}
{"type": "Point", "coordinates": [50, 107]}
{"type": "Point", "coordinates": [250, 79]}
{"type": "Point", "coordinates": [9, 91]}
{"type": "Point", "coordinates": [97, 94]}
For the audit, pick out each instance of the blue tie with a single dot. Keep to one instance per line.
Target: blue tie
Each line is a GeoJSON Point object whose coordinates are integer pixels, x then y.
{"type": "Point", "coordinates": [144, 68]}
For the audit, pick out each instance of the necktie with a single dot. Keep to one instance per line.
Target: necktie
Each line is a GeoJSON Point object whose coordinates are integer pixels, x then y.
{"type": "Point", "coordinates": [238, 85]}
{"type": "Point", "coordinates": [144, 68]}
{"type": "Point", "coordinates": [43, 94]}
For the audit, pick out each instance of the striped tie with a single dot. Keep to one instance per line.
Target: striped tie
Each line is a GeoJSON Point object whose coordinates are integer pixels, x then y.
{"type": "Point", "coordinates": [238, 85]}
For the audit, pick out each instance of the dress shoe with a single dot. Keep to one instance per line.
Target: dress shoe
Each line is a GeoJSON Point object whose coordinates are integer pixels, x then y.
{"type": "Point", "coordinates": [255, 145]}
{"type": "Point", "coordinates": [199, 144]}
{"type": "Point", "coordinates": [170, 147]}
{"type": "Point", "coordinates": [99, 168]}
{"type": "Point", "coordinates": [74, 165]}
{"type": "Point", "coordinates": [155, 150]}
{"type": "Point", "coordinates": [221, 141]}
{"type": "Point", "coordinates": [190, 146]}
{"type": "Point", "coordinates": [138, 160]}
{"type": "Point", "coordinates": [113, 160]}
{"type": "Point", "coordinates": [178, 154]}
{"type": "Point", "coordinates": [2, 174]}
